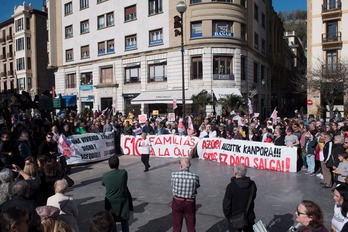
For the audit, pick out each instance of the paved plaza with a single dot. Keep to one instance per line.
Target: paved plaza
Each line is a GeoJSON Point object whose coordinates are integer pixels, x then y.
{"type": "Point", "coordinates": [278, 194]}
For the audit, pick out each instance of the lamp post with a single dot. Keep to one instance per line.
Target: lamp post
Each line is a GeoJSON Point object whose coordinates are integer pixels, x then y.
{"type": "Point", "coordinates": [181, 8]}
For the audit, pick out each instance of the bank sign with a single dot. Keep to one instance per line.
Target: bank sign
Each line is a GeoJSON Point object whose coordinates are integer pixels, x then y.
{"type": "Point", "coordinates": [222, 31]}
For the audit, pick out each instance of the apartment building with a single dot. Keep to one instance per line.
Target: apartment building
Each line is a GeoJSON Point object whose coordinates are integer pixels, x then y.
{"type": "Point", "coordinates": [124, 54]}
{"type": "Point", "coordinates": [327, 46]}
{"type": "Point", "coordinates": [23, 54]}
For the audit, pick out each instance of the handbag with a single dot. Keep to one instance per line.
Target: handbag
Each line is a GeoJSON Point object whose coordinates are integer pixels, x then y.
{"type": "Point", "coordinates": [239, 221]}
{"type": "Point", "coordinates": [259, 227]}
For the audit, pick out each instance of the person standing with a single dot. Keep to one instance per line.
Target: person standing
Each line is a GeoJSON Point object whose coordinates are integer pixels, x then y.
{"type": "Point", "coordinates": [117, 197]}
{"type": "Point", "coordinates": [237, 196]}
{"type": "Point", "coordinates": [185, 185]}
{"type": "Point", "coordinates": [144, 148]}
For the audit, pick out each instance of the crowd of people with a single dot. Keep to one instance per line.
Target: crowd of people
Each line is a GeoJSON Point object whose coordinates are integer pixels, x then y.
{"type": "Point", "coordinates": [33, 174]}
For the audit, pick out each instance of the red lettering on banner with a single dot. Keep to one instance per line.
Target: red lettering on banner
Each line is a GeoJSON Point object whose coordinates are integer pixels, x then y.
{"type": "Point", "coordinates": [181, 152]}
{"type": "Point", "coordinates": [287, 164]}
{"type": "Point", "coordinates": [223, 158]}
{"type": "Point", "coordinates": [135, 145]}
{"type": "Point", "coordinates": [210, 156]}
{"type": "Point", "coordinates": [239, 159]}
{"type": "Point", "coordinates": [211, 144]}
{"type": "Point", "coordinates": [158, 140]}
{"type": "Point", "coordinates": [274, 165]}
{"type": "Point", "coordinates": [126, 149]}
{"type": "Point", "coordinates": [165, 153]}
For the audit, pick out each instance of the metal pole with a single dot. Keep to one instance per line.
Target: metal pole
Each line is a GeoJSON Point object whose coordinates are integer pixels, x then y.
{"type": "Point", "coordinates": [182, 66]}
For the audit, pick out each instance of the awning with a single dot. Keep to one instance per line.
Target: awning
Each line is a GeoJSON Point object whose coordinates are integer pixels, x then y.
{"type": "Point", "coordinates": [70, 100]}
{"type": "Point", "coordinates": [164, 97]}
{"type": "Point", "coordinates": [223, 92]}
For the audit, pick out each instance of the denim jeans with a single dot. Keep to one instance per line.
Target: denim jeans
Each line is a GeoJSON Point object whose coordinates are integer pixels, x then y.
{"type": "Point", "coordinates": [311, 162]}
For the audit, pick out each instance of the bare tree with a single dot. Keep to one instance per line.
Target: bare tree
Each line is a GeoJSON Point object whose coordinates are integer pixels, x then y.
{"type": "Point", "coordinates": [330, 80]}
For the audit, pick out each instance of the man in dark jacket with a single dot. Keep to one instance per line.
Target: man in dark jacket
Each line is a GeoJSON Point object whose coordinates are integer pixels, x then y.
{"type": "Point", "coordinates": [237, 196]}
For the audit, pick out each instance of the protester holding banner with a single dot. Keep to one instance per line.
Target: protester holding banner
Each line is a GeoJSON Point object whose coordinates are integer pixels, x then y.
{"type": "Point", "coordinates": [144, 147]}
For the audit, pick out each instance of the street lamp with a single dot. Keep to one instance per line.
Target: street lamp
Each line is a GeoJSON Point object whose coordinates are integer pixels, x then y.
{"type": "Point", "coordinates": [178, 23]}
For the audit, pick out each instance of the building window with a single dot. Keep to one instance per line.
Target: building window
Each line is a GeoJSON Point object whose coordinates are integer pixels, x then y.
{"type": "Point", "coordinates": [132, 74]}
{"type": "Point", "coordinates": [130, 13]}
{"type": "Point", "coordinates": [85, 52]}
{"type": "Point", "coordinates": [196, 29]}
{"type": "Point", "coordinates": [86, 78]}
{"type": "Point", "coordinates": [156, 37]}
{"type": "Point", "coordinates": [157, 72]}
{"type": "Point", "coordinates": [263, 46]}
{"type": "Point", "coordinates": [29, 83]}
{"type": "Point", "coordinates": [256, 41]}
{"type": "Point", "coordinates": [195, 1]}
{"type": "Point", "coordinates": [84, 26]}
{"type": "Point", "coordinates": [100, 1]}
{"type": "Point", "coordinates": [256, 67]}
{"type": "Point", "coordinates": [21, 83]}
{"type": "Point", "coordinates": [332, 4]}
{"type": "Point", "coordinates": [131, 42]}
{"type": "Point", "coordinates": [243, 31]}
{"type": "Point", "coordinates": [101, 48]}
{"type": "Point", "coordinates": [70, 81]}
{"type": "Point", "coordinates": [196, 68]}
{"type": "Point", "coordinates": [331, 60]}
{"type": "Point", "coordinates": [223, 68]}
{"type": "Point", "coordinates": [155, 7]}
{"type": "Point", "coordinates": [106, 75]}
{"type": "Point", "coordinates": [243, 68]}
{"type": "Point", "coordinates": [106, 20]}
{"type": "Point", "coordinates": [256, 12]}
{"type": "Point", "coordinates": [110, 46]}
{"type": "Point", "coordinates": [222, 29]}
{"type": "Point", "coordinates": [28, 63]}
{"type": "Point", "coordinates": [68, 31]}
{"type": "Point", "coordinates": [27, 23]}
{"type": "Point", "coordinates": [28, 43]}
{"type": "Point", "coordinates": [332, 31]}
{"type": "Point", "coordinates": [68, 8]}
{"type": "Point", "coordinates": [69, 55]}
{"type": "Point", "coordinates": [19, 24]}
{"type": "Point", "coordinates": [263, 20]}
{"type": "Point", "coordinates": [263, 81]}
{"type": "Point", "coordinates": [20, 64]}
{"type": "Point", "coordinates": [20, 44]}
{"type": "Point", "coordinates": [242, 3]}
{"type": "Point", "coordinates": [84, 4]}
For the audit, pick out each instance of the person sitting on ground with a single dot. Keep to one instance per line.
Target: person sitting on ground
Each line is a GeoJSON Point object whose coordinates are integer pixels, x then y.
{"type": "Point", "coordinates": [102, 221]}
{"type": "Point", "coordinates": [310, 216]}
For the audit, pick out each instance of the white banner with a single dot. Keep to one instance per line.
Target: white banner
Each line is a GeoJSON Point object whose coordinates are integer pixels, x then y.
{"type": "Point", "coordinates": [161, 146]}
{"type": "Point", "coordinates": [87, 148]}
{"type": "Point", "coordinates": [253, 154]}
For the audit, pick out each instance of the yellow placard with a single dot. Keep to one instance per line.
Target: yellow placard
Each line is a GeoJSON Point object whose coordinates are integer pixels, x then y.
{"type": "Point", "coordinates": [155, 112]}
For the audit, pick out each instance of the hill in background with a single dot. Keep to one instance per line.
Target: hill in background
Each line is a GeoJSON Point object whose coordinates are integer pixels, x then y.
{"type": "Point", "coordinates": [295, 20]}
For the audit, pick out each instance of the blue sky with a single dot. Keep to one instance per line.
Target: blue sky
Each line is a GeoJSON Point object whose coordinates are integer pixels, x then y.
{"type": "Point", "coordinates": [6, 6]}
{"type": "Point", "coordinates": [289, 5]}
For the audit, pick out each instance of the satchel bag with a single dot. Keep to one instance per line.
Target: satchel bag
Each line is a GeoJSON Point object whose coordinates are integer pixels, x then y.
{"type": "Point", "coordinates": [239, 221]}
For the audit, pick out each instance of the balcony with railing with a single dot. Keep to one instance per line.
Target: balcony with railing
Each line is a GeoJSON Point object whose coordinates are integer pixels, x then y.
{"type": "Point", "coordinates": [9, 37]}
{"type": "Point", "coordinates": [10, 73]}
{"type": "Point", "coordinates": [10, 55]}
{"type": "Point", "coordinates": [335, 37]}
{"type": "Point", "coordinates": [330, 6]}
{"type": "Point", "coordinates": [3, 57]}
{"type": "Point", "coordinates": [332, 69]}
{"type": "Point", "coordinates": [2, 40]}
{"type": "Point", "coordinates": [3, 74]}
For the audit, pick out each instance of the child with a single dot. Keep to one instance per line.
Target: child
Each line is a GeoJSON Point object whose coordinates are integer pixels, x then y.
{"type": "Point", "coordinates": [144, 148]}
{"type": "Point", "coordinates": [342, 169]}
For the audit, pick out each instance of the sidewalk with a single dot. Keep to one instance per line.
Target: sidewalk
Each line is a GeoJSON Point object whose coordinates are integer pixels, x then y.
{"type": "Point", "coordinates": [277, 197]}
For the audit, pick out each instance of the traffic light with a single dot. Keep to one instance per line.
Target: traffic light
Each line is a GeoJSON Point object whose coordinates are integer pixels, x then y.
{"type": "Point", "coordinates": [177, 24]}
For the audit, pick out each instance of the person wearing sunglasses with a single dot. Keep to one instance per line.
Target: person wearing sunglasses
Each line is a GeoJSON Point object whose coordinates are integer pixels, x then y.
{"type": "Point", "coordinates": [310, 217]}
{"type": "Point", "coordinates": [48, 147]}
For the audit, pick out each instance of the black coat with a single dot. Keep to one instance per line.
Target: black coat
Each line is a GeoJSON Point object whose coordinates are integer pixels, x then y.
{"type": "Point", "coordinates": [237, 196]}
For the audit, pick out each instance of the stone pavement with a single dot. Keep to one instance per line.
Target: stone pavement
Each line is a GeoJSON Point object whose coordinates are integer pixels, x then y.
{"type": "Point", "coordinates": [278, 194]}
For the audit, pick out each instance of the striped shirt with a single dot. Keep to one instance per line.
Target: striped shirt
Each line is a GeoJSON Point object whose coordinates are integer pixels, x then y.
{"type": "Point", "coordinates": [185, 184]}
